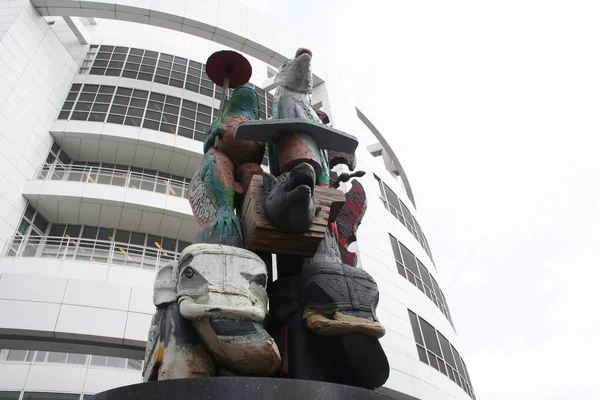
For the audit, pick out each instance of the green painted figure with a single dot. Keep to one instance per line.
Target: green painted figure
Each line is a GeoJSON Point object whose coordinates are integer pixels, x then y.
{"type": "Point", "coordinates": [228, 166]}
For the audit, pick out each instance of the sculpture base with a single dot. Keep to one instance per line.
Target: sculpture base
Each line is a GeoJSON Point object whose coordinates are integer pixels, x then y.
{"type": "Point", "coordinates": [226, 388]}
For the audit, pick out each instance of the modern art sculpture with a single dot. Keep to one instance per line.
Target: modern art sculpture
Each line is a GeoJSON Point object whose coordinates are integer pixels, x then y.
{"type": "Point", "coordinates": [219, 310]}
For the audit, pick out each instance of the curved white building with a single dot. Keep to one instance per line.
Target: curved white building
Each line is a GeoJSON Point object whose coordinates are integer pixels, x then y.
{"type": "Point", "coordinates": [103, 109]}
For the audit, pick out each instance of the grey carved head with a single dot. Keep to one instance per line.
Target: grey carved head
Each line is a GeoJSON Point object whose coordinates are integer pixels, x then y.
{"type": "Point", "coordinates": [214, 281]}
{"type": "Point", "coordinates": [290, 203]}
{"type": "Point", "coordinates": [296, 74]}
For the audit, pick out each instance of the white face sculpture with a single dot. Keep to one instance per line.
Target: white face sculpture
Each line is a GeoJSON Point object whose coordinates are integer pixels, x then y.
{"type": "Point", "coordinates": [221, 281]}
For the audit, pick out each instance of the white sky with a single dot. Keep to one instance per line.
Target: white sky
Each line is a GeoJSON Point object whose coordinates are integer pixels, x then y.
{"type": "Point", "coordinates": [493, 107]}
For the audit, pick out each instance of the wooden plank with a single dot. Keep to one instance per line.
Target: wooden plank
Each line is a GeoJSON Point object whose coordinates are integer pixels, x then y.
{"type": "Point", "coordinates": [260, 235]}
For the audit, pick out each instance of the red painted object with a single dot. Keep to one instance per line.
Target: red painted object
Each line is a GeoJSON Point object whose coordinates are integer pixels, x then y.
{"type": "Point", "coordinates": [228, 63]}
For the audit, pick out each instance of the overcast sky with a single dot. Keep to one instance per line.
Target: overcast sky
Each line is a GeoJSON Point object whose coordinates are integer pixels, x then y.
{"type": "Point", "coordinates": [493, 107]}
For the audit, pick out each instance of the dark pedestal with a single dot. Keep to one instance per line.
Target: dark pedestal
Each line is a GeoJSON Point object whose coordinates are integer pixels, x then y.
{"type": "Point", "coordinates": [226, 388]}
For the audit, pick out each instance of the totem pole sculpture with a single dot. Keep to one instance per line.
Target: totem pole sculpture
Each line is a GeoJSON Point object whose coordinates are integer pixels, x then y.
{"type": "Point", "coordinates": [212, 317]}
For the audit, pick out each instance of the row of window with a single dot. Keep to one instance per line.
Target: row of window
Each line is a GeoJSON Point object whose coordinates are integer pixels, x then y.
{"type": "Point", "coordinates": [162, 68]}
{"type": "Point", "coordinates": [434, 349]}
{"type": "Point", "coordinates": [51, 357]}
{"type": "Point", "coordinates": [410, 267]}
{"type": "Point", "coordinates": [60, 164]}
{"type": "Point", "coordinates": [398, 209]}
{"type": "Point", "coordinates": [90, 243]}
{"type": "Point", "coordinates": [135, 107]}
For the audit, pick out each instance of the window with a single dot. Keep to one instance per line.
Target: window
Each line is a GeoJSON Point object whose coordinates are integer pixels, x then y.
{"type": "Point", "coordinates": [434, 349]}
{"type": "Point", "coordinates": [92, 243]}
{"type": "Point", "coordinates": [398, 209]}
{"type": "Point", "coordinates": [162, 68]}
{"type": "Point", "coordinates": [413, 269]}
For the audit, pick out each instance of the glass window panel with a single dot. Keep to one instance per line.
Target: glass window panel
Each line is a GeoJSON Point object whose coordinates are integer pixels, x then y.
{"type": "Point", "coordinates": [446, 350]}
{"type": "Point", "coordinates": [17, 355]}
{"type": "Point", "coordinates": [113, 72]}
{"type": "Point", "coordinates": [401, 269]}
{"type": "Point", "coordinates": [442, 366]}
{"type": "Point", "coordinates": [420, 285]}
{"type": "Point", "coordinates": [182, 245]}
{"type": "Point", "coordinates": [151, 125]}
{"type": "Point", "coordinates": [49, 396]}
{"type": "Point", "coordinates": [135, 112]}
{"type": "Point", "coordinates": [134, 364]}
{"type": "Point", "coordinates": [188, 114]}
{"type": "Point", "coordinates": [103, 98]}
{"type": "Point", "coordinates": [192, 87]}
{"type": "Point", "coordinates": [395, 248]}
{"type": "Point", "coordinates": [152, 239]}
{"type": "Point", "coordinates": [116, 362]}
{"type": "Point", "coordinates": [161, 79]}
{"type": "Point", "coordinates": [179, 68]}
{"type": "Point", "coordinates": [168, 128]}
{"type": "Point", "coordinates": [77, 359]}
{"type": "Point", "coordinates": [147, 69]}
{"type": "Point", "coordinates": [436, 288]}
{"type": "Point", "coordinates": [40, 223]}
{"type": "Point", "coordinates": [83, 106]}
{"type": "Point", "coordinates": [100, 107]}
{"type": "Point", "coordinates": [124, 91]}
{"type": "Point", "coordinates": [176, 82]}
{"type": "Point", "coordinates": [90, 88]}
{"type": "Point", "coordinates": [177, 75]}
{"type": "Point", "coordinates": [98, 361]}
{"type": "Point", "coordinates": [137, 52]}
{"type": "Point", "coordinates": [73, 230]}
{"type": "Point", "coordinates": [57, 230]}
{"type": "Point", "coordinates": [97, 117]}
{"type": "Point", "coordinates": [186, 133]}
{"type": "Point", "coordinates": [120, 110]}
{"type": "Point", "coordinates": [415, 328]}
{"type": "Point", "coordinates": [204, 109]}
{"type": "Point", "coordinates": [409, 260]}
{"type": "Point", "coordinates": [115, 119]}
{"type": "Point", "coordinates": [422, 354]}
{"type": "Point", "coordinates": [23, 227]}
{"type": "Point", "coordinates": [29, 212]}
{"type": "Point", "coordinates": [59, 358]}
{"type": "Point", "coordinates": [168, 244]}
{"type": "Point", "coordinates": [133, 121]}
{"type": "Point", "coordinates": [204, 118]}
{"type": "Point", "coordinates": [140, 103]}
{"type": "Point", "coordinates": [40, 356]}
{"type": "Point", "coordinates": [172, 109]}
{"type": "Point", "coordinates": [79, 116]}
{"type": "Point", "coordinates": [138, 238]}
{"type": "Point", "coordinates": [121, 100]}
{"type": "Point", "coordinates": [122, 236]}
{"type": "Point", "coordinates": [424, 273]}
{"type": "Point", "coordinates": [432, 360]}
{"type": "Point", "coordinates": [171, 119]}
{"type": "Point", "coordinates": [430, 337]}
{"type": "Point", "coordinates": [89, 232]}
{"type": "Point", "coordinates": [206, 92]}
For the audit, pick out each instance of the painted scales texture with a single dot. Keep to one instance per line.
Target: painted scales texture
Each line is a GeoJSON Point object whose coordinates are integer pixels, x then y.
{"type": "Point", "coordinates": [225, 160]}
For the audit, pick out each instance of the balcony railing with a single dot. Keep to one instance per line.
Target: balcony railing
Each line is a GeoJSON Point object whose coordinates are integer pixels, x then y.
{"type": "Point", "coordinates": [112, 176]}
{"type": "Point", "coordinates": [91, 250]}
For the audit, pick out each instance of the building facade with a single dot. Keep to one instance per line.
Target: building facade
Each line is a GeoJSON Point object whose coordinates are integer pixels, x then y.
{"type": "Point", "coordinates": [103, 109]}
